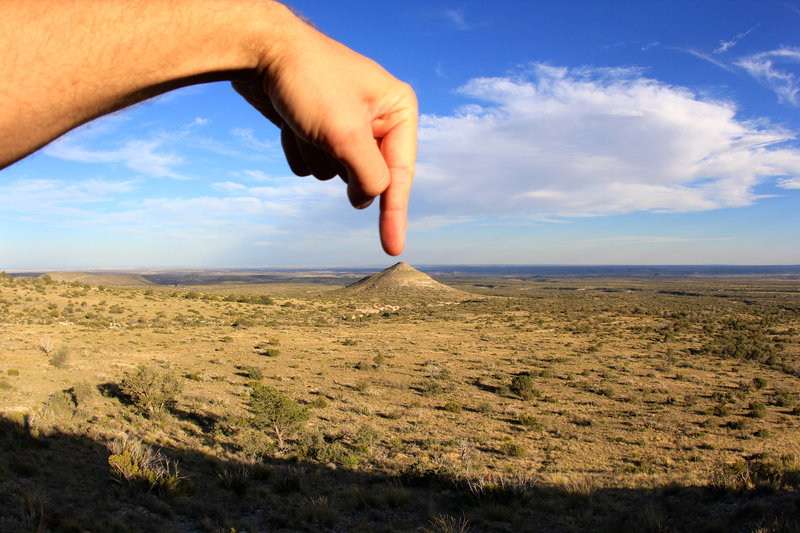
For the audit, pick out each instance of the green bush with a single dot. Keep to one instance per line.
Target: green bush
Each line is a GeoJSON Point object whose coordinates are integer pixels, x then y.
{"type": "Point", "coordinates": [512, 450]}
{"type": "Point", "coordinates": [151, 390]}
{"type": "Point", "coordinates": [319, 402]}
{"type": "Point", "coordinates": [522, 386]}
{"type": "Point", "coordinates": [758, 410]}
{"type": "Point", "coordinates": [252, 372]}
{"type": "Point", "coordinates": [276, 412]}
{"type": "Point", "coordinates": [530, 422]}
{"type": "Point", "coordinates": [452, 407]}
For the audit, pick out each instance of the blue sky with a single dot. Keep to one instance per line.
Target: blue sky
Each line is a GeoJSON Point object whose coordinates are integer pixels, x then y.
{"type": "Point", "coordinates": [551, 133]}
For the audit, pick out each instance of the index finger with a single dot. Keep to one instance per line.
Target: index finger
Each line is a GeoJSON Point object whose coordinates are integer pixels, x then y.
{"type": "Point", "coordinates": [399, 149]}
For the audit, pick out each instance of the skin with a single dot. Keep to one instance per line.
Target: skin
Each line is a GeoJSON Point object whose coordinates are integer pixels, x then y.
{"type": "Point", "coordinates": [66, 62]}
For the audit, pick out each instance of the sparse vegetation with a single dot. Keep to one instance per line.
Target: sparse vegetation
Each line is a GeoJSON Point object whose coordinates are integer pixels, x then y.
{"type": "Point", "coordinates": [627, 405]}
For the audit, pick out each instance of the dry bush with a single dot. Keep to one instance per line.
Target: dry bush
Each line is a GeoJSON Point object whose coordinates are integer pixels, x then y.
{"type": "Point", "coordinates": [47, 345]}
{"type": "Point", "coordinates": [59, 357]}
{"type": "Point", "coordinates": [140, 466]}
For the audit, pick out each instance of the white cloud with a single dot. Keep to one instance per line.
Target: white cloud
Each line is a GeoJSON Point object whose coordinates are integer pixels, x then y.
{"type": "Point", "coordinates": [773, 70]}
{"type": "Point", "coordinates": [592, 142]}
{"type": "Point", "coordinates": [140, 156]}
{"type": "Point", "coordinates": [56, 196]}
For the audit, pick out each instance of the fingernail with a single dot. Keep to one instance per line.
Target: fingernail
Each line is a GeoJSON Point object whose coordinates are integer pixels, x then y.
{"type": "Point", "coordinates": [365, 204]}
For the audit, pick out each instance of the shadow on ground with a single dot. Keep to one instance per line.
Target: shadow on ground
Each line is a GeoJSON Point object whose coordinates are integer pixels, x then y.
{"type": "Point", "coordinates": [61, 482]}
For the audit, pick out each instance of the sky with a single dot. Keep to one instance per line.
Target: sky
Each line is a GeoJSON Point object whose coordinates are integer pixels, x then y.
{"type": "Point", "coordinates": [551, 132]}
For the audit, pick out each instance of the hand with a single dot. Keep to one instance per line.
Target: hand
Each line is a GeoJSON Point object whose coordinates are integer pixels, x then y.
{"type": "Point", "coordinates": [341, 113]}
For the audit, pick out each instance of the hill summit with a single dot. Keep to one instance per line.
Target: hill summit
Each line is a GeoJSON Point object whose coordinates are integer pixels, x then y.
{"type": "Point", "coordinates": [403, 280]}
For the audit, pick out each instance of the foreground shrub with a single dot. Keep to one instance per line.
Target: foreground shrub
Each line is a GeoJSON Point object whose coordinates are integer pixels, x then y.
{"type": "Point", "coordinates": [276, 412]}
{"type": "Point", "coordinates": [144, 468]}
{"type": "Point", "coordinates": [151, 390]}
{"type": "Point", "coordinates": [759, 470]}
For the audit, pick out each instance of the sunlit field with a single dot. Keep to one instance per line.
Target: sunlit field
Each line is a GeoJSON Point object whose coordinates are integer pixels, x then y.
{"type": "Point", "coordinates": [498, 404]}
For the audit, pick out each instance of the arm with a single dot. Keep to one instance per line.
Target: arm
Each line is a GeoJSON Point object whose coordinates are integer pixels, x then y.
{"type": "Point", "coordinates": [65, 63]}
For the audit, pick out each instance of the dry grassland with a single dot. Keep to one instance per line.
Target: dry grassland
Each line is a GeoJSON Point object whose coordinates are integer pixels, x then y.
{"type": "Point", "coordinates": [549, 405]}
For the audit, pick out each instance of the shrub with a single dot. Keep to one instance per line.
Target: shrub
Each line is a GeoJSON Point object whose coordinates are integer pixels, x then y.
{"type": "Point", "coordinates": [758, 410]}
{"type": "Point", "coordinates": [273, 410]}
{"type": "Point", "coordinates": [730, 476]}
{"type": "Point", "coordinates": [82, 392]}
{"type": "Point", "coordinates": [760, 383]}
{"type": "Point", "coordinates": [46, 345]}
{"type": "Point", "coordinates": [143, 468]}
{"type": "Point", "coordinates": [59, 403]}
{"type": "Point", "coordinates": [530, 422]}
{"type": "Point", "coordinates": [512, 450]}
{"type": "Point", "coordinates": [151, 389]}
{"type": "Point", "coordinates": [452, 407]}
{"type": "Point", "coordinates": [252, 372]}
{"type": "Point", "coordinates": [319, 402]}
{"type": "Point", "coordinates": [444, 523]}
{"type": "Point", "coordinates": [242, 322]}
{"type": "Point", "coordinates": [522, 386]}
{"type": "Point", "coordinates": [720, 409]}
{"type": "Point", "coordinates": [432, 388]}
{"type": "Point", "coordinates": [59, 357]}
{"type": "Point", "coordinates": [782, 398]}
{"type": "Point", "coordinates": [484, 408]}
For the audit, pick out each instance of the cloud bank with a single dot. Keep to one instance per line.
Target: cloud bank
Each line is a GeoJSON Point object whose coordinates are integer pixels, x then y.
{"type": "Point", "coordinates": [586, 142]}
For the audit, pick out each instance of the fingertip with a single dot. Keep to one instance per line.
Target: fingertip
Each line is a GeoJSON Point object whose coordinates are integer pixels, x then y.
{"type": "Point", "coordinates": [392, 225]}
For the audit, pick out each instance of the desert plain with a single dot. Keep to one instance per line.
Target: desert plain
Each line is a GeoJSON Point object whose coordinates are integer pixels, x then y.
{"type": "Point", "coordinates": [461, 401]}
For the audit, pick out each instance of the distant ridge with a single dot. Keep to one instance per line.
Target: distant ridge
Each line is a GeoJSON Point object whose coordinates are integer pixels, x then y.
{"type": "Point", "coordinates": [112, 280]}
{"type": "Point", "coordinates": [403, 281]}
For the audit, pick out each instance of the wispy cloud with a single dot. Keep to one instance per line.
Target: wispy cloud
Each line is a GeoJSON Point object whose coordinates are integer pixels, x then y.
{"type": "Point", "coordinates": [774, 70]}
{"type": "Point", "coordinates": [141, 156]}
{"type": "Point", "coordinates": [248, 138]}
{"type": "Point", "coordinates": [790, 183]}
{"type": "Point", "coordinates": [724, 46]}
{"type": "Point", "coordinates": [58, 196]}
{"type": "Point", "coordinates": [627, 240]}
{"type": "Point", "coordinates": [560, 142]}
{"type": "Point", "coordinates": [457, 18]}
{"type": "Point", "coordinates": [707, 57]}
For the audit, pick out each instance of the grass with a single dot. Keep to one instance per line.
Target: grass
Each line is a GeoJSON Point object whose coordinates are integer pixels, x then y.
{"type": "Point", "coordinates": [607, 400]}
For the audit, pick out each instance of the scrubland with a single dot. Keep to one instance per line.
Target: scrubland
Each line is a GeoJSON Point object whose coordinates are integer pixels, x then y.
{"type": "Point", "coordinates": [529, 405]}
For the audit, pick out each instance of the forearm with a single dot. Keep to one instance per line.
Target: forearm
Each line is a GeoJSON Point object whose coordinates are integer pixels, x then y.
{"type": "Point", "coordinates": [66, 62]}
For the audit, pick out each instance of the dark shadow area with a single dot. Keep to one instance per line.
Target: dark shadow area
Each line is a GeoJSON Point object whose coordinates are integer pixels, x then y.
{"type": "Point", "coordinates": [56, 481]}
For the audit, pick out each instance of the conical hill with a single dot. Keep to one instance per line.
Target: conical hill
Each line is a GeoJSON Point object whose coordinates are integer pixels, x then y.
{"type": "Point", "coordinates": [403, 281]}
